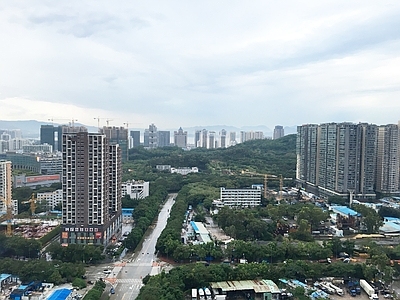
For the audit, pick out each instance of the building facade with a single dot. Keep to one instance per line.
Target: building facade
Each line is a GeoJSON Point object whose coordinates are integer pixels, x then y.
{"type": "Point", "coordinates": [91, 185]}
{"type": "Point", "coordinates": [5, 185]}
{"type": "Point", "coordinates": [240, 197]}
{"type": "Point", "coordinates": [136, 189]}
{"type": "Point", "coordinates": [135, 138]}
{"type": "Point", "coordinates": [117, 135]}
{"type": "Point", "coordinates": [333, 158]}
{"type": "Point", "coordinates": [278, 132]}
{"type": "Point", "coordinates": [180, 138]}
{"type": "Point", "coordinates": [164, 138]}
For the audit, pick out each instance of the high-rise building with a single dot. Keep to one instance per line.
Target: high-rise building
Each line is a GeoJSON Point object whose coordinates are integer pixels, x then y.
{"type": "Point", "coordinates": [47, 135]}
{"type": "Point", "coordinates": [117, 135]}
{"type": "Point", "coordinates": [180, 138]}
{"type": "Point", "coordinates": [91, 184]}
{"type": "Point", "coordinates": [222, 138]}
{"type": "Point", "coordinates": [197, 137]}
{"type": "Point", "coordinates": [151, 137]}
{"type": "Point", "coordinates": [232, 138]}
{"type": "Point", "coordinates": [164, 138]}
{"type": "Point", "coordinates": [5, 185]}
{"type": "Point", "coordinates": [135, 135]}
{"type": "Point", "coordinates": [333, 159]}
{"type": "Point", "coordinates": [388, 165]}
{"type": "Point", "coordinates": [203, 138]}
{"type": "Point", "coordinates": [278, 132]}
{"type": "Point", "coordinates": [211, 140]}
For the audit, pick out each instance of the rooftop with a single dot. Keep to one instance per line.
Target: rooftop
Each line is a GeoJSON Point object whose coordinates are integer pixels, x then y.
{"type": "Point", "coordinates": [61, 294]}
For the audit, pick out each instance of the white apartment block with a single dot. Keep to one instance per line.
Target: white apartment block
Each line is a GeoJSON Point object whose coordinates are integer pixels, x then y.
{"type": "Point", "coordinates": [52, 199]}
{"type": "Point", "coordinates": [184, 171]}
{"type": "Point", "coordinates": [135, 189]}
{"type": "Point", "coordinates": [240, 197]}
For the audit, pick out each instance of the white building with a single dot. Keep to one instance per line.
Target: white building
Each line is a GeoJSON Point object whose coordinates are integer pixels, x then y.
{"type": "Point", "coordinates": [135, 189]}
{"type": "Point", "coordinates": [5, 184]}
{"type": "Point", "coordinates": [51, 198]}
{"type": "Point", "coordinates": [240, 197]}
{"type": "Point", "coordinates": [184, 171]}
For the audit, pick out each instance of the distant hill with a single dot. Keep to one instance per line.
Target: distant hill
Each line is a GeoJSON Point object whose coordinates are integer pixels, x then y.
{"type": "Point", "coordinates": [31, 128]}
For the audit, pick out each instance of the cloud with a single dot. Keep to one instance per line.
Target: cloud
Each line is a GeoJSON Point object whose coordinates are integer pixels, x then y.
{"type": "Point", "coordinates": [183, 64]}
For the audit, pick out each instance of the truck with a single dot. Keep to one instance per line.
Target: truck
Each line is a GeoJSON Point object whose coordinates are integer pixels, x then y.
{"type": "Point", "coordinates": [207, 293]}
{"type": "Point", "coordinates": [326, 288]}
{"type": "Point", "coordinates": [337, 289]}
{"type": "Point", "coordinates": [368, 289]}
{"type": "Point", "coordinates": [194, 294]}
{"type": "Point", "coordinates": [325, 261]}
{"type": "Point", "coordinates": [201, 294]}
{"type": "Point", "coordinates": [354, 288]}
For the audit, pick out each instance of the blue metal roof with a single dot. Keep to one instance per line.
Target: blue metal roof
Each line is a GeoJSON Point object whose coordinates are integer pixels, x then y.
{"type": "Point", "coordinates": [61, 294]}
{"type": "Point", "coordinates": [4, 276]}
{"type": "Point", "coordinates": [127, 211]}
{"type": "Point", "coordinates": [194, 226]}
{"type": "Point", "coordinates": [345, 210]}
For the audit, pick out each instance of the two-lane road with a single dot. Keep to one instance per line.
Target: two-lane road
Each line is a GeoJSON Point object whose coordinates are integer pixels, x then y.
{"type": "Point", "coordinates": [143, 262]}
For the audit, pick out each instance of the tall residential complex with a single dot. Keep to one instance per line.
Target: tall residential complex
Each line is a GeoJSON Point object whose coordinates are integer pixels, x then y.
{"type": "Point", "coordinates": [91, 184]}
{"type": "Point", "coordinates": [151, 137]}
{"type": "Point", "coordinates": [164, 138]}
{"type": "Point", "coordinates": [335, 158]}
{"type": "Point", "coordinates": [278, 132]}
{"type": "Point", "coordinates": [117, 135]}
{"type": "Point", "coordinates": [135, 139]}
{"type": "Point", "coordinates": [180, 138]}
{"type": "Point", "coordinates": [5, 185]}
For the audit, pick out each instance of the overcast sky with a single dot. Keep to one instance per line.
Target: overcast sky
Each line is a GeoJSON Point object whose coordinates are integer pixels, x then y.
{"type": "Point", "coordinates": [198, 63]}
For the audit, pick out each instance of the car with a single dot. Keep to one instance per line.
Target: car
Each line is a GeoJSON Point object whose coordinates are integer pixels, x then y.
{"type": "Point", "coordinates": [112, 291]}
{"type": "Point", "coordinates": [107, 271]}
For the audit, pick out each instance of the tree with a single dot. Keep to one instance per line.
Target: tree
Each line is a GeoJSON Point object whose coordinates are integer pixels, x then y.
{"type": "Point", "coordinates": [370, 218]}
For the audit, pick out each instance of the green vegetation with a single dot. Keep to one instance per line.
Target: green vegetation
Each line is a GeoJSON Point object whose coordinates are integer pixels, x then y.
{"type": "Point", "coordinates": [19, 247]}
{"type": "Point", "coordinates": [76, 253]}
{"type": "Point", "coordinates": [96, 292]}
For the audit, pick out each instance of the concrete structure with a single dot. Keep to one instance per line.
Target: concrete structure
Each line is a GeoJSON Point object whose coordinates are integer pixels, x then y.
{"type": "Point", "coordinates": [135, 139]}
{"type": "Point", "coordinates": [50, 164]}
{"type": "Point", "coordinates": [180, 138]}
{"type": "Point", "coordinates": [197, 136]}
{"type": "Point", "coordinates": [91, 184]}
{"type": "Point", "coordinates": [151, 137]}
{"type": "Point", "coordinates": [52, 199]}
{"type": "Point", "coordinates": [232, 138]}
{"type": "Point", "coordinates": [33, 181]}
{"type": "Point", "coordinates": [388, 156]}
{"type": "Point", "coordinates": [278, 132]}
{"type": "Point", "coordinates": [117, 136]}
{"type": "Point", "coordinates": [240, 197]}
{"type": "Point", "coordinates": [251, 135]}
{"type": "Point", "coordinates": [164, 138]}
{"type": "Point", "coordinates": [41, 148]}
{"type": "Point", "coordinates": [222, 139]}
{"type": "Point", "coordinates": [5, 185]}
{"type": "Point", "coordinates": [22, 161]}
{"type": "Point", "coordinates": [163, 168]}
{"type": "Point", "coordinates": [335, 158]}
{"type": "Point", "coordinates": [136, 189]}
{"type": "Point", "coordinates": [185, 171]}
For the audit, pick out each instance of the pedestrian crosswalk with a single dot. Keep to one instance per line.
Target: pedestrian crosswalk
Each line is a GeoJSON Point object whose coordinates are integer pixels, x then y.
{"type": "Point", "coordinates": [129, 280]}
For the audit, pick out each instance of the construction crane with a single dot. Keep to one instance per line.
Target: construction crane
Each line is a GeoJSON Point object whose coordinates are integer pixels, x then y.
{"type": "Point", "coordinates": [9, 214]}
{"type": "Point", "coordinates": [32, 202]}
{"type": "Point", "coordinates": [269, 177]}
{"type": "Point", "coordinates": [107, 121]}
{"type": "Point", "coordinates": [71, 121]}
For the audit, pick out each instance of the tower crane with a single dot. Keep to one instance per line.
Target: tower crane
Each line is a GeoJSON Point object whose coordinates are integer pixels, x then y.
{"type": "Point", "coordinates": [108, 120]}
{"type": "Point", "coordinates": [269, 177]}
{"type": "Point", "coordinates": [32, 202]}
{"type": "Point", "coordinates": [71, 121]}
{"type": "Point", "coordinates": [9, 214]}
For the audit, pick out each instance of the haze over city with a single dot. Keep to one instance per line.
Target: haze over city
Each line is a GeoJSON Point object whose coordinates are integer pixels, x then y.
{"type": "Point", "coordinates": [201, 63]}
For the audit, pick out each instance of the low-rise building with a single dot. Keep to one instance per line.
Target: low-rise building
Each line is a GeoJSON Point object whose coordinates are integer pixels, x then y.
{"type": "Point", "coordinates": [52, 199]}
{"type": "Point", "coordinates": [185, 170]}
{"type": "Point", "coordinates": [240, 197]}
{"type": "Point", "coordinates": [136, 189]}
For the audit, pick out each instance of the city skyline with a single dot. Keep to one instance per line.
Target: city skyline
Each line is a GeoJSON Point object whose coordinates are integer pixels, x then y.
{"type": "Point", "coordinates": [184, 65]}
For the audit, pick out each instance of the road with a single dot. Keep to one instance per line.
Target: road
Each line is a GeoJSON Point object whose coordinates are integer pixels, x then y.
{"type": "Point", "coordinates": [128, 275]}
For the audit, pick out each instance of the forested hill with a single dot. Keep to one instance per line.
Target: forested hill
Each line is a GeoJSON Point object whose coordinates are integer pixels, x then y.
{"type": "Point", "coordinates": [261, 156]}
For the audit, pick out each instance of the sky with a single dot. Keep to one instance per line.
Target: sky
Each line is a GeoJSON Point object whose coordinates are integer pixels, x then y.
{"type": "Point", "coordinates": [198, 63]}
